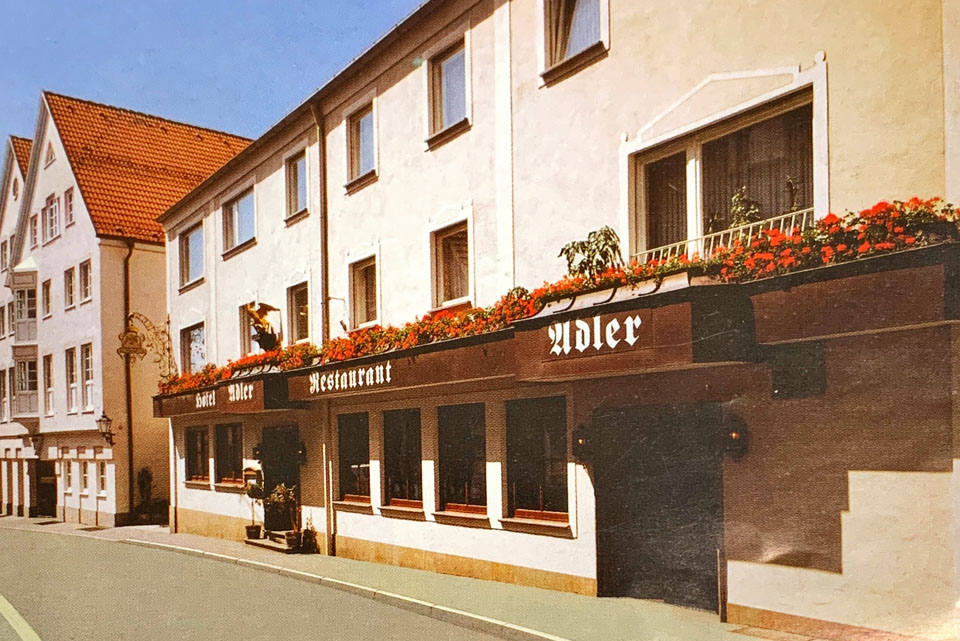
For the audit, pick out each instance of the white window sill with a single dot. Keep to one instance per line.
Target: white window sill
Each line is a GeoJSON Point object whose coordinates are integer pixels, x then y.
{"type": "Point", "coordinates": [84, 492]}
{"type": "Point", "coordinates": [366, 325]}
{"type": "Point", "coordinates": [47, 316]}
{"type": "Point", "coordinates": [86, 300]}
{"type": "Point", "coordinates": [87, 410]}
{"type": "Point", "coordinates": [101, 495]}
{"type": "Point", "coordinates": [69, 307]}
{"type": "Point", "coordinates": [51, 239]}
{"type": "Point", "coordinates": [455, 302]}
{"type": "Point", "coordinates": [196, 282]}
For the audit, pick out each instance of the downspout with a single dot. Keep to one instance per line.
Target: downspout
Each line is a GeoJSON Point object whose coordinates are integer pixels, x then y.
{"type": "Point", "coordinates": [126, 380]}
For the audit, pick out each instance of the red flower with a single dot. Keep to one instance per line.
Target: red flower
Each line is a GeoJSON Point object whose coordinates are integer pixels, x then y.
{"type": "Point", "coordinates": [864, 248]}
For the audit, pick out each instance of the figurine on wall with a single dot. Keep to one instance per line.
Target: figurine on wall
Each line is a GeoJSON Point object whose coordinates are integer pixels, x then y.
{"type": "Point", "coordinates": [266, 337]}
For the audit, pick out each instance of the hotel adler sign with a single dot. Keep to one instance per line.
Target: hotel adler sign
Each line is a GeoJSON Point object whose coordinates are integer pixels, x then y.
{"type": "Point", "coordinates": [236, 396]}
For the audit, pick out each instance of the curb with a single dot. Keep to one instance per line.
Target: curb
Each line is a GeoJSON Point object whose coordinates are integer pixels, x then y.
{"type": "Point", "coordinates": [459, 618]}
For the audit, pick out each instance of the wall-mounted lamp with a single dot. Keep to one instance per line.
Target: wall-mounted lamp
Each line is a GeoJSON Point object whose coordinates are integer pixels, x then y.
{"type": "Point", "coordinates": [256, 452]}
{"type": "Point", "coordinates": [582, 444]}
{"type": "Point", "coordinates": [103, 425]}
{"type": "Point", "coordinates": [302, 453]}
{"type": "Point", "coordinates": [736, 437]}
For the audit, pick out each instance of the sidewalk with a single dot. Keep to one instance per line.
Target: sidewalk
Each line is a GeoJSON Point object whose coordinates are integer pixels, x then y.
{"type": "Point", "coordinates": [509, 611]}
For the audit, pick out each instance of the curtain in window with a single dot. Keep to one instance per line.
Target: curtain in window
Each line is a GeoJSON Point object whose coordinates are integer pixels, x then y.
{"type": "Point", "coordinates": [772, 160]}
{"type": "Point", "coordinates": [666, 190]}
{"type": "Point", "coordinates": [453, 90]}
{"type": "Point", "coordinates": [370, 292]}
{"type": "Point", "coordinates": [456, 270]}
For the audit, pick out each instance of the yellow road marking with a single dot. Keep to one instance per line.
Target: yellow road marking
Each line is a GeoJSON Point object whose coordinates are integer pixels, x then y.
{"type": "Point", "coordinates": [17, 622]}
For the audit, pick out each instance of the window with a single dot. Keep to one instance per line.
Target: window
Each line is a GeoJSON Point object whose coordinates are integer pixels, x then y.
{"type": "Point", "coordinates": [191, 255]}
{"type": "Point", "coordinates": [353, 431]}
{"type": "Point", "coordinates": [537, 458]}
{"type": "Point", "coordinates": [50, 157]}
{"type": "Point", "coordinates": [11, 319]}
{"type": "Point", "coordinates": [363, 276]}
{"type": "Point", "coordinates": [448, 88]}
{"type": "Point", "coordinates": [34, 231]}
{"type": "Point", "coordinates": [248, 332]}
{"type": "Point", "coordinates": [68, 288]}
{"type": "Point", "coordinates": [3, 322]}
{"type": "Point", "coordinates": [765, 166]}
{"type": "Point", "coordinates": [572, 26]}
{"type": "Point", "coordinates": [26, 376]}
{"type": "Point", "coordinates": [102, 477]}
{"type": "Point", "coordinates": [298, 306]}
{"type": "Point", "coordinates": [51, 218]}
{"type": "Point", "coordinates": [86, 375]}
{"type": "Point", "coordinates": [68, 476]}
{"type": "Point", "coordinates": [16, 188]}
{"type": "Point", "coordinates": [12, 384]}
{"type": "Point", "coordinates": [45, 298]}
{"type": "Point", "coordinates": [68, 207]}
{"type": "Point", "coordinates": [462, 457]}
{"type": "Point", "coordinates": [451, 264]}
{"type": "Point", "coordinates": [4, 401]}
{"type": "Point", "coordinates": [70, 370]}
{"type": "Point", "coordinates": [229, 450]}
{"type": "Point", "coordinates": [361, 143]}
{"type": "Point", "coordinates": [48, 384]}
{"type": "Point", "coordinates": [198, 454]}
{"type": "Point", "coordinates": [4, 255]}
{"type": "Point", "coordinates": [26, 301]}
{"type": "Point", "coordinates": [239, 224]}
{"type": "Point", "coordinates": [84, 477]}
{"type": "Point", "coordinates": [193, 354]}
{"type": "Point", "coordinates": [86, 288]}
{"type": "Point", "coordinates": [401, 458]}
{"type": "Point", "coordinates": [297, 184]}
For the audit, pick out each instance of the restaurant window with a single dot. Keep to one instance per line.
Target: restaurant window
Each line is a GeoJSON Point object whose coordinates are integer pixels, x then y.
{"type": "Point", "coordinates": [361, 144]}
{"type": "Point", "coordinates": [45, 307]}
{"type": "Point", "coordinates": [451, 264]}
{"type": "Point", "coordinates": [68, 207]}
{"type": "Point", "coordinates": [86, 281]}
{"type": "Point", "coordinates": [229, 453]}
{"type": "Point", "coordinates": [68, 288]}
{"type": "Point", "coordinates": [363, 285]}
{"type": "Point", "coordinates": [758, 168]}
{"type": "Point", "coordinates": [48, 384]}
{"type": "Point", "coordinates": [353, 432]}
{"type": "Point", "coordinates": [298, 308]}
{"type": "Point", "coordinates": [70, 369]}
{"type": "Point", "coordinates": [448, 88]}
{"type": "Point", "coordinates": [572, 26]}
{"type": "Point", "coordinates": [462, 458]}
{"type": "Point", "coordinates": [198, 454]}
{"type": "Point", "coordinates": [239, 224]}
{"type": "Point", "coordinates": [193, 353]}
{"type": "Point", "coordinates": [86, 375]}
{"type": "Point", "coordinates": [401, 458]}
{"type": "Point", "coordinates": [191, 255]}
{"type": "Point", "coordinates": [296, 184]}
{"type": "Point", "coordinates": [537, 458]}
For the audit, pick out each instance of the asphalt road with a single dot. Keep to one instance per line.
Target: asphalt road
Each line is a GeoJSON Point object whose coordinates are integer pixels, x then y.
{"type": "Point", "coordinates": [73, 588]}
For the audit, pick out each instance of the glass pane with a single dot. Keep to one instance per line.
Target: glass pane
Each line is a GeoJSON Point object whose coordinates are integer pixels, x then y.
{"type": "Point", "coordinates": [195, 254]}
{"type": "Point", "coordinates": [244, 219]}
{"type": "Point", "coordinates": [401, 436]}
{"type": "Point", "coordinates": [455, 265]}
{"type": "Point", "coordinates": [584, 27]}
{"type": "Point", "coordinates": [366, 143]}
{"type": "Point", "coordinates": [462, 445]}
{"type": "Point", "coordinates": [453, 92]}
{"type": "Point", "coordinates": [196, 348]}
{"type": "Point", "coordinates": [301, 173]}
{"type": "Point", "coordinates": [666, 186]}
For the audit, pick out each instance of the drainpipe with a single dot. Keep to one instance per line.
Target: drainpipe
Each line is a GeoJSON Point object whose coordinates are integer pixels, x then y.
{"type": "Point", "coordinates": [324, 260]}
{"type": "Point", "coordinates": [126, 380]}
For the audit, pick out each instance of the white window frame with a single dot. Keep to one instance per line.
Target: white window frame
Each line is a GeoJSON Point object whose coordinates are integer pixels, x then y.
{"type": "Point", "coordinates": [548, 69]}
{"type": "Point", "coordinates": [84, 477]}
{"type": "Point", "coordinates": [351, 288]}
{"type": "Point", "coordinates": [648, 148]}
{"type": "Point", "coordinates": [183, 243]}
{"type": "Point", "coordinates": [4, 255]}
{"type": "Point", "coordinates": [69, 201]}
{"type": "Point", "coordinates": [185, 362]}
{"type": "Point", "coordinates": [288, 160]}
{"type": "Point", "coordinates": [46, 298]}
{"type": "Point", "coordinates": [34, 225]}
{"type": "Point", "coordinates": [229, 225]}
{"type": "Point", "coordinates": [70, 367]}
{"type": "Point", "coordinates": [460, 33]}
{"type": "Point", "coordinates": [85, 289]}
{"type": "Point", "coordinates": [67, 476]}
{"type": "Point", "coordinates": [51, 218]}
{"type": "Point", "coordinates": [48, 385]}
{"type": "Point", "coordinates": [4, 399]}
{"type": "Point", "coordinates": [88, 382]}
{"type": "Point", "coordinates": [102, 479]}
{"type": "Point", "coordinates": [69, 288]}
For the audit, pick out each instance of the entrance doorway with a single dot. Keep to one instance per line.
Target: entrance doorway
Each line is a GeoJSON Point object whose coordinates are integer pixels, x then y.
{"type": "Point", "coordinates": [46, 489]}
{"type": "Point", "coordinates": [280, 462]}
{"type": "Point", "coordinates": [659, 484]}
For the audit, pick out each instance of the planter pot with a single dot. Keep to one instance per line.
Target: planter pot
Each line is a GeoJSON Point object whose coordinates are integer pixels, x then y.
{"type": "Point", "coordinates": [253, 531]}
{"type": "Point", "coordinates": [292, 539]}
{"type": "Point", "coordinates": [941, 231]}
{"type": "Point", "coordinates": [309, 542]}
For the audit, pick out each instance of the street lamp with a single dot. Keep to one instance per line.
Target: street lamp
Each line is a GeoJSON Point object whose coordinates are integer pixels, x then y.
{"type": "Point", "coordinates": [103, 425]}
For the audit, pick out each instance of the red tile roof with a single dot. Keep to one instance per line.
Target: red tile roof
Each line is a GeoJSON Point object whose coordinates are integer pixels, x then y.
{"type": "Point", "coordinates": [21, 149]}
{"type": "Point", "coordinates": [131, 167]}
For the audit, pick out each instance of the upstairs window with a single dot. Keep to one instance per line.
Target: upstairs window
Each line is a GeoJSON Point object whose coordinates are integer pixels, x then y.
{"type": "Point", "coordinates": [11, 319]}
{"type": "Point", "coordinates": [239, 224]}
{"type": "Point", "coordinates": [448, 88]}
{"type": "Point", "coordinates": [191, 255]}
{"type": "Point", "coordinates": [70, 369]}
{"type": "Point", "coordinates": [462, 458]}
{"type": "Point", "coordinates": [298, 306]}
{"type": "Point", "coordinates": [45, 306]}
{"type": "Point", "coordinates": [572, 26]}
{"type": "Point", "coordinates": [69, 277]}
{"type": "Point", "coordinates": [363, 277]}
{"type": "Point", "coordinates": [26, 304]}
{"type": "Point", "coordinates": [401, 458]}
{"type": "Point", "coordinates": [51, 218]}
{"type": "Point", "coordinates": [296, 184]}
{"type": "Point", "coordinates": [48, 384]}
{"type": "Point", "coordinates": [86, 284]}
{"type": "Point", "coordinates": [86, 373]}
{"type": "Point", "coordinates": [16, 189]}
{"type": "Point", "coordinates": [198, 454]}
{"type": "Point", "coordinates": [229, 453]}
{"type": "Point", "coordinates": [4, 401]}
{"type": "Point", "coordinates": [3, 322]}
{"type": "Point", "coordinates": [50, 156]}
{"type": "Point", "coordinates": [34, 231]}
{"type": "Point", "coordinates": [353, 445]}
{"type": "Point", "coordinates": [537, 458]}
{"type": "Point", "coordinates": [361, 143]}
{"type": "Point", "coordinates": [4, 255]}
{"type": "Point", "coordinates": [247, 331]}
{"type": "Point", "coordinates": [193, 354]}
{"type": "Point", "coordinates": [102, 477]}
{"type": "Point", "coordinates": [451, 264]}
{"type": "Point", "coordinates": [26, 376]}
{"type": "Point", "coordinates": [68, 207]}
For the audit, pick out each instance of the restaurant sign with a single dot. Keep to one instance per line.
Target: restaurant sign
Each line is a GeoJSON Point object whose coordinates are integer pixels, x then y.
{"type": "Point", "coordinates": [597, 334]}
{"type": "Point", "coordinates": [350, 379]}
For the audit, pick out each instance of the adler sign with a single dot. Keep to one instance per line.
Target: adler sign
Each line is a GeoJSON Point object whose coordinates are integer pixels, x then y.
{"type": "Point", "coordinates": [595, 334]}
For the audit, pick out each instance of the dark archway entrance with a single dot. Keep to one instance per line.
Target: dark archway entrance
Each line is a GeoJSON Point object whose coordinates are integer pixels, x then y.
{"type": "Point", "coordinates": [659, 483]}
{"type": "Point", "coordinates": [281, 464]}
{"type": "Point", "coordinates": [46, 489]}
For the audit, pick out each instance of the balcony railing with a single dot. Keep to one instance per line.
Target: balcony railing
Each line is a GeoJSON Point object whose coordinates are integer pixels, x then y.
{"type": "Point", "coordinates": [25, 405]}
{"type": "Point", "coordinates": [26, 331]}
{"type": "Point", "coordinates": [705, 246]}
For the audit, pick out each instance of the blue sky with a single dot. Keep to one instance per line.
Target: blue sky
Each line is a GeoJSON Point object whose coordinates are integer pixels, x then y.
{"type": "Point", "coordinates": [235, 65]}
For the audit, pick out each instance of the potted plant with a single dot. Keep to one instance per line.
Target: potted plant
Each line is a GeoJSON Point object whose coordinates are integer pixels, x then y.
{"type": "Point", "coordinates": [308, 538]}
{"type": "Point", "coordinates": [256, 494]}
{"type": "Point", "coordinates": [284, 499]}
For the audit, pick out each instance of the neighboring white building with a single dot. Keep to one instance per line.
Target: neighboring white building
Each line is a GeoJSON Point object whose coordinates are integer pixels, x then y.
{"type": "Point", "coordinates": [86, 253]}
